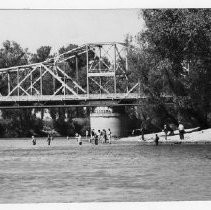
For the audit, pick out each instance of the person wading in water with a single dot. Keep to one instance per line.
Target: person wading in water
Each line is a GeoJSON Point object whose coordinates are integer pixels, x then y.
{"type": "Point", "coordinates": [156, 139]}
{"type": "Point", "coordinates": [96, 138]}
{"type": "Point", "coordinates": [109, 136]}
{"type": "Point", "coordinates": [49, 139]}
{"type": "Point", "coordinates": [104, 136]}
{"type": "Point", "coordinates": [92, 136]}
{"type": "Point", "coordinates": [87, 134]}
{"type": "Point", "coordinates": [79, 139]}
{"type": "Point", "coordinates": [33, 140]}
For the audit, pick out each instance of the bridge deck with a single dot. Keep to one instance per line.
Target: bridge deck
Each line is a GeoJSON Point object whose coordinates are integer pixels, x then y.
{"type": "Point", "coordinates": [81, 97]}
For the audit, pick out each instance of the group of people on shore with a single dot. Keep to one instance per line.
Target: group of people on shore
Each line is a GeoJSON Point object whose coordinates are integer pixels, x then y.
{"type": "Point", "coordinates": [180, 128]}
{"type": "Point", "coordinates": [102, 136]}
{"type": "Point", "coordinates": [166, 131]}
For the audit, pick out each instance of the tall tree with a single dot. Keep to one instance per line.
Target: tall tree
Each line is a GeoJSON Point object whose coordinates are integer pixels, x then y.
{"type": "Point", "coordinates": [174, 58]}
{"type": "Point", "coordinates": [41, 55]}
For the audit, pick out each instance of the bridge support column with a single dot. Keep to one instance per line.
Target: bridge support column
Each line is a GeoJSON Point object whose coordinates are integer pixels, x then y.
{"type": "Point", "coordinates": [105, 118]}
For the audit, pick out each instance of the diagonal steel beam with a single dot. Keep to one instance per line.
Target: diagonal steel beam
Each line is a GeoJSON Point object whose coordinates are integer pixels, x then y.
{"type": "Point", "coordinates": [56, 92]}
{"type": "Point", "coordinates": [59, 79]}
{"type": "Point", "coordinates": [37, 91]}
{"type": "Point", "coordinates": [106, 52]}
{"type": "Point", "coordinates": [18, 85]}
{"type": "Point", "coordinates": [121, 58]}
{"type": "Point", "coordinates": [75, 83]}
{"type": "Point", "coordinates": [101, 87]}
{"type": "Point", "coordinates": [134, 87]}
{"type": "Point", "coordinates": [32, 85]}
{"type": "Point", "coordinates": [105, 64]}
{"type": "Point", "coordinates": [24, 91]}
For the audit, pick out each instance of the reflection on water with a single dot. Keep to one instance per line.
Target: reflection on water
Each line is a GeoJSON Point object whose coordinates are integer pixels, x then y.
{"type": "Point", "coordinates": [122, 171]}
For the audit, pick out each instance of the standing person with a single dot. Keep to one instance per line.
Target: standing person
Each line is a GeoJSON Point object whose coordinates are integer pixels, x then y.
{"type": "Point", "coordinates": [96, 137]}
{"type": "Point", "coordinates": [76, 135]}
{"type": "Point", "coordinates": [181, 131]}
{"type": "Point", "coordinates": [87, 133]}
{"type": "Point", "coordinates": [99, 135]}
{"type": "Point", "coordinates": [49, 139]}
{"type": "Point", "coordinates": [104, 135]}
{"type": "Point", "coordinates": [142, 132]}
{"type": "Point", "coordinates": [156, 139]}
{"type": "Point", "coordinates": [165, 131]}
{"type": "Point", "coordinates": [92, 136]}
{"type": "Point", "coordinates": [79, 139]}
{"type": "Point", "coordinates": [33, 140]}
{"type": "Point", "coordinates": [109, 136]}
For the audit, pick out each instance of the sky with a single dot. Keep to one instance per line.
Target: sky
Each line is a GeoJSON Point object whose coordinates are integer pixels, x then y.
{"type": "Point", "coordinates": [57, 28]}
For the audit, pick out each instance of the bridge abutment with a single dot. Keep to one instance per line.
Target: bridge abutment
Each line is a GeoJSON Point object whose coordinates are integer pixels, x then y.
{"type": "Point", "coordinates": [113, 118]}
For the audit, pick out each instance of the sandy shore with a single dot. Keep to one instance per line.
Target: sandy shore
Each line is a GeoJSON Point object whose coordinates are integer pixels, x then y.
{"type": "Point", "coordinates": [192, 136]}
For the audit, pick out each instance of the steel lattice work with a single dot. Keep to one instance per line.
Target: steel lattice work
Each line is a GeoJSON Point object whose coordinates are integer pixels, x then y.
{"type": "Point", "coordinates": [62, 79]}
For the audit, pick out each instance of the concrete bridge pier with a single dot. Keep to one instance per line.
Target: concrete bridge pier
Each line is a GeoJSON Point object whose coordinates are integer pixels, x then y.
{"type": "Point", "coordinates": [107, 117]}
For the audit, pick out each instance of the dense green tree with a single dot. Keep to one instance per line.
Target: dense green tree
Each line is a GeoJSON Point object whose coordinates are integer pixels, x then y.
{"type": "Point", "coordinates": [42, 54]}
{"type": "Point", "coordinates": [11, 54]}
{"type": "Point", "coordinates": [173, 58]}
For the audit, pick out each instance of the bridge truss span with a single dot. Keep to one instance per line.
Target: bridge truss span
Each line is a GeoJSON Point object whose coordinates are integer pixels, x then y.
{"type": "Point", "coordinates": [90, 72]}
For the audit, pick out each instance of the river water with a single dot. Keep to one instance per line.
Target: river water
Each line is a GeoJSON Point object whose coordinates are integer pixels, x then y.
{"type": "Point", "coordinates": [122, 171]}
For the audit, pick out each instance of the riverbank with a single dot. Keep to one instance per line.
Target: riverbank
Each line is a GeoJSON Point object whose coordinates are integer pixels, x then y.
{"type": "Point", "coordinates": [192, 136]}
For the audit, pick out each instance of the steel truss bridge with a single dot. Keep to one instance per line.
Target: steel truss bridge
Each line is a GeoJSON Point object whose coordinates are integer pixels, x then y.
{"type": "Point", "coordinates": [101, 80]}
